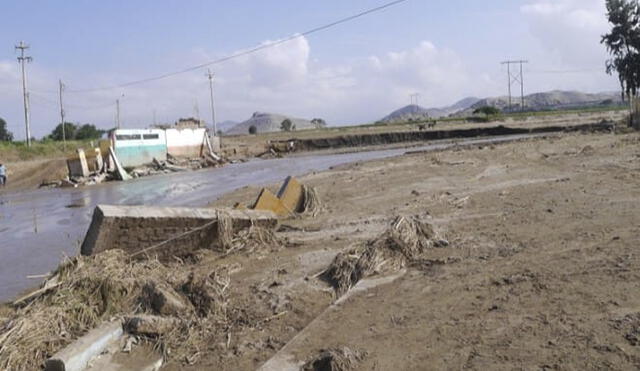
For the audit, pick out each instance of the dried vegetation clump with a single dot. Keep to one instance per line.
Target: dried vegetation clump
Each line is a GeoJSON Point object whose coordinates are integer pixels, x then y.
{"type": "Point", "coordinates": [191, 296]}
{"type": "Point", "coordinates": [403, 242]}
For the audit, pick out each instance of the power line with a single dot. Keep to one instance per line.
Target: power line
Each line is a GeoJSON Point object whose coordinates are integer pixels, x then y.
{"type": "Point", "coordinates": [246, 52]}
{"type": "Point", "coordinates": [584, 70]}
{"type": "Point", "coordinates": [43, 99]}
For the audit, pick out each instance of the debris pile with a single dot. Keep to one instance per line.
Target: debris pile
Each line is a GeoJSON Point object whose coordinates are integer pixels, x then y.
{"type": "Point", "coordinates": [176, 165]}
{"type": "Point", "coordinates": [79, 295]}
{"type": "Point", "coordinates": [403, 242]}
{"type": "Point", "coordinates": [337, 359]}
{"type": "Point", "coordinates": [180, 306]}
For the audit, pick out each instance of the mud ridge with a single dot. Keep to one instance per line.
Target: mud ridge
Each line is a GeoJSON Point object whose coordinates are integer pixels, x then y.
{"type": "Point", "coordinates": [362, 140]}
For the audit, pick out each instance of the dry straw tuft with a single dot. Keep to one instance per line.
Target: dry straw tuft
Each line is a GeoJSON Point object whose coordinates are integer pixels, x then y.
{"type": "Point", "coordinates": [402, 242]}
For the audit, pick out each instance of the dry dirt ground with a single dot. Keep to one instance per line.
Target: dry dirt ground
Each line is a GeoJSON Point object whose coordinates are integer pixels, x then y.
{"type": "Point", "coordinates": [542, 270]}
{"type": "Point", "coordinates": [27, 175]}
{"type": "Point", "coordinates": [243, 146]}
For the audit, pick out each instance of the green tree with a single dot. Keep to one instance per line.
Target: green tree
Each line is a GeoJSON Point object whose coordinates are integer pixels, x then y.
{"type": "Point", "coordinates": [487, 111]}
{"type": "Point", "coordinates": [253, 130]}
{"type": "Point", "coordinates": [69, 131]}
{"type": "Point", "coordinates": [287, 125]}
{"type": "Point", "coordinates": [319, 123]}
{"type": "Point", "coordinates": [623, 43]}
{"type": "Point", "coordinates": [5, 134]}
{"type": "Point", "coordinates": [88, 131]}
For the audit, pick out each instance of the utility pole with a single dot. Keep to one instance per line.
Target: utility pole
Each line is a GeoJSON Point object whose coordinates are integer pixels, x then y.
{"type": "Point", "coordinates": [517, 77]}
{"type": "Point", "coordinates": [118, 113]}
{"type": "Point", "coordinates": [196, 110]}
{"type": "Point", "coordinates": [416, 97]}
{"type": "Point", "coordinates": [213, 109]}
{"type": "Point", "coordinates": [23, 59]}
{"type": "Point", "coordinates": [64, 134]}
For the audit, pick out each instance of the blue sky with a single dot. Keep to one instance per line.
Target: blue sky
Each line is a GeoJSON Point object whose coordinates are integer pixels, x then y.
{"type": "Point", "coordinates": [353, 73]}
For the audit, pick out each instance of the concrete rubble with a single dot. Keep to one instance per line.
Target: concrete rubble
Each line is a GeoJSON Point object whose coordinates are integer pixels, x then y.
{"type": "Point", "coordinates": [77, 356]}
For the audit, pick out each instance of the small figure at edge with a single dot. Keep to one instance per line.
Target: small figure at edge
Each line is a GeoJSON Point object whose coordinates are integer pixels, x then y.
{"type": "Point", "coordinates": [3, 175]}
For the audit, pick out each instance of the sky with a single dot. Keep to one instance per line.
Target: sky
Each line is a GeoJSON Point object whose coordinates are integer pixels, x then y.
{"type": "Point", "coordinates": [352, 73]}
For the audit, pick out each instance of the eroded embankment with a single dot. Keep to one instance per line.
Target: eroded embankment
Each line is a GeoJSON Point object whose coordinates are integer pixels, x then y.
{"type": "Point", "coordinates": [362, 140]}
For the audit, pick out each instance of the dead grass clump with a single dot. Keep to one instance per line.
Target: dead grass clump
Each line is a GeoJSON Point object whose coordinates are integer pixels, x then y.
{"type": "Point", "coordinates": [84, 292]}
{"type": "Point", "coordinates": [311, 202]}
{"type": "Point", "coordinates": [404, 241]}
{"type": "Point", "coordinates": [254, 239]}
{"type": "Point", "coordinates": [336, 359]}
{"type": "Point", "coordinates": [207, 292]}
{"type": "Point", "coordinates": [225, 231]}
{"type": "Point", "coordinates": [246, 240]}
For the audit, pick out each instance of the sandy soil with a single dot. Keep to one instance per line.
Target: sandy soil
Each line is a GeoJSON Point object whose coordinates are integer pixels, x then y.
{"type": "Point", "coordinates": [26, 175]}
{"type": "Point", "coordinates": [541, 271]}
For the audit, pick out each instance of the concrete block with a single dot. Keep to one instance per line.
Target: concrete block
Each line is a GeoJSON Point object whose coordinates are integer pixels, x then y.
{"type": "Point", "coordinates": [135, 228]}
{"type": "Point", "coordinates": [288, 202]}
{"type": "Point", "coordinates": [76, 356]}
{"type": "Point", "coordinates": [291, 194]}
{"type": "Point", "coordinates": [268, 201]}
{"type": "Point", "coordinates": [77, 165]}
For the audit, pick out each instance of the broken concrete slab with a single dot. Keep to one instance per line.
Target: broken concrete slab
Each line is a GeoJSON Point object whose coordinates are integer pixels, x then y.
{"type": "Point", "coordinates": [121, 173]}
{"type": "Point", "coordinates": [288, 202]}
{"type": "Point", "coordinates": [142, 358]}
{"type": "Point", "coordinates": [78, 165]}
{"type": "Point", "coordinates": [76, 356]}
{"type": "Point", "coordinates": [268, 201]}
{"type": "Point", "coordinates": [291, 194]}
{"type": "Point", "coordinates": [137, 228]}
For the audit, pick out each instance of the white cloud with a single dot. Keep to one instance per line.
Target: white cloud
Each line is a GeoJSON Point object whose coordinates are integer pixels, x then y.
{"type": "Point", "coordinates": [570, 29]}
{"type": "Point", "coordinates": [288, 79]}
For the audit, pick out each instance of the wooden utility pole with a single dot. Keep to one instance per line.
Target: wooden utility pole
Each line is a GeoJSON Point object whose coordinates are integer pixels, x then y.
{"type": "Point", "coordinates": [64, 130]}
{"type": "Point", "coordinates": [23, 59]}
{"type": "Point", "coordinates": [213, 107]}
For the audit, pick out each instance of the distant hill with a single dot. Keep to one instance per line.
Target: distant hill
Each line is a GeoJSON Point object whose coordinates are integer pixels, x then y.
{"type": "Point", "coordinates": [556, 99]}
{"type": "Point", "coordinates": [416, 112]}
{"type": "Point", "coordinates": [407, 113]}
{"type": "Point", "coordinates": [551, 100]}
{"type": "Point", "coordinates": [267, 123]}
{"type": "Point", "coordinates": [226, 125]}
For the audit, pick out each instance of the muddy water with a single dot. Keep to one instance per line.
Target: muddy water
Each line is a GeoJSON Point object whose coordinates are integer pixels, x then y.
{"type": "Point", "coordinates": [39, 228]}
